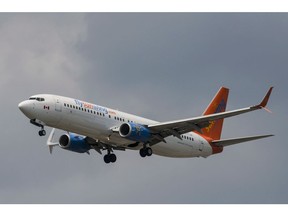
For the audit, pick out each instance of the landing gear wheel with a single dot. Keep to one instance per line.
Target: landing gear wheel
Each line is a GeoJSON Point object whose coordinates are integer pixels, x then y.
{"type": "Point", "coordinates": [145, 152]}
{"type": "Point", "coordinates": [149, 152]}
{"type": "Point", "coordinates": [42, 133]}
{"type": "Point", "coordinates": [113, 158]}
{"type": "Point", "coordinates": [107, 159]}
{"type": "Point", "coordinates": [142, 152]}
{"type": "Point", "coordinates": [110, 158]}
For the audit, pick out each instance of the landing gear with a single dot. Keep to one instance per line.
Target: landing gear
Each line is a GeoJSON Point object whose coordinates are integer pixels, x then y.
{"type": "Point", "coordinates": [110, 158]}
{"type": "Point", "coordinates": [37, 123]}
{"type": "Point", "coordinates": [42, 132]}
{"type": "Point", "coordinates": [145, 151]}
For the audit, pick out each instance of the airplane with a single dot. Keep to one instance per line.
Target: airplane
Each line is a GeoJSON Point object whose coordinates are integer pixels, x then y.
{"type": "Point", "coordinates": [90, 126]}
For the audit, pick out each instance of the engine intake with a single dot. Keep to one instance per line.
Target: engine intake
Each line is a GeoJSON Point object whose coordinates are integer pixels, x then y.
{"type": "Point", "coordinates": [135, 132]}
{"type": "Point", "coordinates": [74, 142]}
{"type": "Point", "coordinates": [64, 141]}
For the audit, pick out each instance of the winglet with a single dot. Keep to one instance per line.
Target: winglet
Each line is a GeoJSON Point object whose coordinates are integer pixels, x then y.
{"type": "Point", "coordinates": [265, 100]}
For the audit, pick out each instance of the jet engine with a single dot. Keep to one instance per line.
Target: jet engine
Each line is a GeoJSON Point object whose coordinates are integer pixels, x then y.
{"type": "Point", "coordinates": [135, 132]}
{"type": "Point", "coordinates": [73, 142]}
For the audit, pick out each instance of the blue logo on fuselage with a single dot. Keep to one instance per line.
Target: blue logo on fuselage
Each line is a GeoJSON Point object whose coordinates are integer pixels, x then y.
{"type": "Point", "coordinates": [91, 106]}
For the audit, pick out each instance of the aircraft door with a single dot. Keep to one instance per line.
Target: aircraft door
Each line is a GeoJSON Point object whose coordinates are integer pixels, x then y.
{"type": "Point", "coordinates": [58, 106]}
{"type": "Point", "coordinates": [199, 143]}
{"type": "Point", "coordinates": [201, 146]}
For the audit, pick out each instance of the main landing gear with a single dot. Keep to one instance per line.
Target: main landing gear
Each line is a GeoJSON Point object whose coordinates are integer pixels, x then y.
{"type": "Point", "coordinates": [42, 132]}
{"type": "Point", "coordinates": [145, 151]}
{"type": "Point", "coordinates": [110, 158]}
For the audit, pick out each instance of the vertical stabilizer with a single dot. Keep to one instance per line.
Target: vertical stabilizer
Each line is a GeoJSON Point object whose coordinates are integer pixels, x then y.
{"type": "Point", "coordinates": [217, 105]}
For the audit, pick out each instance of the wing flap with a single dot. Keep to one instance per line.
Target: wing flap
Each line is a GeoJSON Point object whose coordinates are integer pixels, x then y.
{"type": "Point", "coordinates": [50, 142]}
{"type": "Point", "coordinates": [228, 142]}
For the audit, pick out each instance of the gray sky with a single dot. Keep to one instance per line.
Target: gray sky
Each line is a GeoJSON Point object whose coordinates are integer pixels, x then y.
{"type": "Point", "coordinates": [160, 66]}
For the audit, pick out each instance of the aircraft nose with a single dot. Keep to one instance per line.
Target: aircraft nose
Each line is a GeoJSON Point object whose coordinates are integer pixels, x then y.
{"type": "Point", "coordinates": [26, 108]}
{"type": "Point", "coordinates": [22, 106]}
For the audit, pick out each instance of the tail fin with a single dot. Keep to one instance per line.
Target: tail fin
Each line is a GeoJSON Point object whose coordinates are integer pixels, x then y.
{"type": "Point", "coordinates": [217, 105]}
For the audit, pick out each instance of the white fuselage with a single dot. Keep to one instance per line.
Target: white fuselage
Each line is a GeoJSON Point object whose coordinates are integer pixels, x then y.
{"type": "Point", "coordinates": [98, 123]}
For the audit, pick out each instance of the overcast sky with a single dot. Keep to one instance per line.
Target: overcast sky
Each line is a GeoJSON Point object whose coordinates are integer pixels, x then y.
{"type": "Point", "coordinates": [160, 66]}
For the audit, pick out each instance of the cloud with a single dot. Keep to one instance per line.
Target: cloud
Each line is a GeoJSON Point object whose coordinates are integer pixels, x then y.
{"type": "Point", "coordinates": [163, 67]}
{"type": "Point", "coordinates": [40, 50]}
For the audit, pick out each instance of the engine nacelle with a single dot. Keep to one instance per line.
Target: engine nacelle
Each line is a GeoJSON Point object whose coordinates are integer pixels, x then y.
{"type": "Point", "coordinates": [74, 142]}
{"type": "Point", "coordinates": [135, 132]}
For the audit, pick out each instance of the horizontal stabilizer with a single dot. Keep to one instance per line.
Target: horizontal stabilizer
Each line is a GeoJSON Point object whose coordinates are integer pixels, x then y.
{"type": "Point", "coordinates": [227, 142]}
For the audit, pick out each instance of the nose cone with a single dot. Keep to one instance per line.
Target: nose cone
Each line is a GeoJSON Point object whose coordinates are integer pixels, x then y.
{"type": "Point", "coordinates": [27, 108]}
{"type": "Point", "coordinates": [23, 106]}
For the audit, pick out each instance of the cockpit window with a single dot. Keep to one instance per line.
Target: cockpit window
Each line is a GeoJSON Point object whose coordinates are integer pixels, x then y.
{"type": "Point", "coordinates": [37, 98]}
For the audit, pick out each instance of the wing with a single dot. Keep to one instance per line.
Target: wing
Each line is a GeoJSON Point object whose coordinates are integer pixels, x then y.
{"type": "Point", "coordinates": [228, 142]}
{"type": "Point", "coordinates": [176, 128]}
{"type": "Point", "coordinates": [97, 145]}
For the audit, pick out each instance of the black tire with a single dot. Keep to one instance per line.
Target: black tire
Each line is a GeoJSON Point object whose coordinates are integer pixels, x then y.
{"type": "Point", "coordinates": [149, 152]}
{"type": "Point", "coordinates": [113, 158]}
{"type": "Point", "coordinates": [142, 152]}
{"type": "Point", "coordinates": [107, 159]}
{"type": "Point", "coordinates": [42, 133]}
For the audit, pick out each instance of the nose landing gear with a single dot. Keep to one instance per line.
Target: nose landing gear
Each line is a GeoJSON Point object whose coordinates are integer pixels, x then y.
{"type": "Point", "coordinates": [42, 132]}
